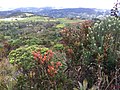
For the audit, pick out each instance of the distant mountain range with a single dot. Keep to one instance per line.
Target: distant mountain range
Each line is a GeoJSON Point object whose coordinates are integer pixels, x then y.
{"type": "Point", "coordinates": [57, 13]}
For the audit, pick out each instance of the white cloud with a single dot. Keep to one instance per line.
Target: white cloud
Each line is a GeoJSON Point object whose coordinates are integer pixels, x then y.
{"type": "Point", "coordinates": [57, 3]}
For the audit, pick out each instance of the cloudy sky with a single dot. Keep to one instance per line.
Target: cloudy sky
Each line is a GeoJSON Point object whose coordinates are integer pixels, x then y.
{"type": "Point", "coordinates": [104, 4]}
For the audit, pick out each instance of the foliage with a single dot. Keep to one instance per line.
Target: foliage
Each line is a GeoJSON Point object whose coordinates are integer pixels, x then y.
{"type": "Point", "coordinates": [40, 69]}
{"type": "Point", "coordinates": [40, 56]}
{"type": "Point", "coordinates": [23, 57]}
{"type": "Point", "coordinates": [7, 71]}
{"type": "Point", "coordinates": [93, 49]}
{"type": "Point", "coordinates": [59, 47]}
{"type": "Point", "coordinates": [60, 26]}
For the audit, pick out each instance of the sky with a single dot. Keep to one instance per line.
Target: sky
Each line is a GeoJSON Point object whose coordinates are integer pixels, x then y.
{"type": "Point", "coordinates": [101, 4]}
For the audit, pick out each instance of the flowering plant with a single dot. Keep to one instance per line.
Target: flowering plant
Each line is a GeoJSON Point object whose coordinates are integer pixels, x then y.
{"type": "Point", "coordinates": [45, 60]}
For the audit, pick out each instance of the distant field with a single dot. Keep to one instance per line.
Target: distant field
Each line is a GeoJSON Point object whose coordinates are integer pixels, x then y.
{"type": "Point", "coordinates": [44, 19]}
{"type": "Point", "coordinates": [65, 20]}
{"type": "Point", "coordinates": [11, 19]}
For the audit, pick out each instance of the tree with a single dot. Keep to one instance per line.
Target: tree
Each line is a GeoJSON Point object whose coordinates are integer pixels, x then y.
{"type": "Point", "coordinates": [114, 11]}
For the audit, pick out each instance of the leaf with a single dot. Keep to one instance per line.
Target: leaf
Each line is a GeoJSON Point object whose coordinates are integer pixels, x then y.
{"type": "Point", "coordinates": [94, 87]}
{"type": "Point", "coordinates": [85, 83]}
{"type": "Point", "coordinates": [80, 85]}
{"type": "Point", "coordinates": [75, 89]}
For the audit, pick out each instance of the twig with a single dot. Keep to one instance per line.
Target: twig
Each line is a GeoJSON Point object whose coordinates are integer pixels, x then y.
{"type": "Point", "coordinates": [111, 82]}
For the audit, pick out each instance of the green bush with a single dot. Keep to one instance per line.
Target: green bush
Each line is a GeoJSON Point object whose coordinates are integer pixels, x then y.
{"type": "Point", "coordinates": [59, 46]}
{"type": "Point", "coordinates": [23, 57]}
{"type": "Point", "coordinates": [105, 41]}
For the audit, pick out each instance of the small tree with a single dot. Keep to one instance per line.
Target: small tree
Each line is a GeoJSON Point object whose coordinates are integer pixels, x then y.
{"type": "Point", "coordinates": [114, 11]}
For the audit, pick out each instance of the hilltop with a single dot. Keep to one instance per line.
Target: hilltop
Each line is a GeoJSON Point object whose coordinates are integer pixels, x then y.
{"type": "Point", "coordinates": [57, 13]}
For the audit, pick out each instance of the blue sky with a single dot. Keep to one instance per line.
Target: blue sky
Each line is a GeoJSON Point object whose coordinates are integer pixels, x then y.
{"type": "Point", "coordinates": [104, 4]}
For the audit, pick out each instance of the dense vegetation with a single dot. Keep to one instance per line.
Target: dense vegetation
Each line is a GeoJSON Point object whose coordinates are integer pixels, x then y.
{"type": "Point", "coordinates": [41, 53]}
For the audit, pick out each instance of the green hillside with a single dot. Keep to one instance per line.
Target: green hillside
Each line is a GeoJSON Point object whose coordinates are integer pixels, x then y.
{"type": "Point", "coordinates": [45, 53]}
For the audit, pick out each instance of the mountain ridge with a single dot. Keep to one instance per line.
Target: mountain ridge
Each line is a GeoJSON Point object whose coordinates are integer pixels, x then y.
{"type": "Point", "coordinates": [57, 13]}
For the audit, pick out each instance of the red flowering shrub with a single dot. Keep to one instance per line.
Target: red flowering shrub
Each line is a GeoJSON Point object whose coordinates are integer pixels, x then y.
{"type": "Point", "coordinates": [45, 61]}
{"type": "Point", "coordinates": [48, 69]}
{"type": "Point", "coordinates": [43, 58]}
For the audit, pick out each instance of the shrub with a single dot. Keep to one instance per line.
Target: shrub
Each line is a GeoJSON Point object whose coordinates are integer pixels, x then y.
{"type": "Point", "coordinates": [38, 68]}
{"type": "Point", "coordinates": [23, 57]}
{"type": "Point", "coordinates": [59, 47]}
{"type": "Point", "coordinates": [92, 46]}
